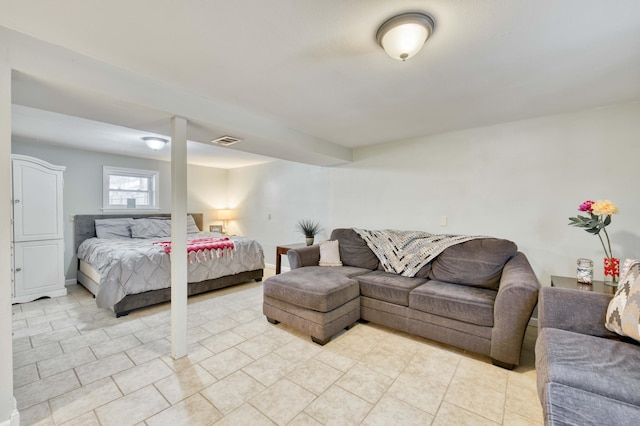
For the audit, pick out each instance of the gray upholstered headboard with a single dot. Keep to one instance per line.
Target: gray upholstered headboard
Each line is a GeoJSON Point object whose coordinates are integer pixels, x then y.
{"type": "Point", "coordinates": [84, 224]}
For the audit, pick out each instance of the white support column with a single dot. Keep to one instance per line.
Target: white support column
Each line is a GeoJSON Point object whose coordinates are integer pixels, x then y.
{"type": "Point", "coordinates": [179, 238]}
{"type": "Point", "coordinates": [8, 412]}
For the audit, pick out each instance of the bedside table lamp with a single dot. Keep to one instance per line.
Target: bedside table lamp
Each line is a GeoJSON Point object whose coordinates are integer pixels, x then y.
{"type": "Point", "coordinates": [224, 215]}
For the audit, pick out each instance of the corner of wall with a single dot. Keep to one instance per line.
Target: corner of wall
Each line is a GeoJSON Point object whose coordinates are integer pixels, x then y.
{"type": "Point", "coordinates": [14, 420]}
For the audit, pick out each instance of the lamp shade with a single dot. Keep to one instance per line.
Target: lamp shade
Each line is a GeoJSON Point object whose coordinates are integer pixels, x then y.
{"type": "Point", "coordinates": [404, 35]}
{"type": "Point", "coordinates": [225, 214]}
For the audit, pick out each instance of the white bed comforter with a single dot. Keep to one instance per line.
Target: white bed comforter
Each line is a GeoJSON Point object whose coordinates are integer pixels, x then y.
{"type": "Point", "coordinates": [131, 266]}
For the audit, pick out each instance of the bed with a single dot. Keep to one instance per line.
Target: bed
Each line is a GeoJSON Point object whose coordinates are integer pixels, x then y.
{"type": "Point", "coordinates": [120, 264]}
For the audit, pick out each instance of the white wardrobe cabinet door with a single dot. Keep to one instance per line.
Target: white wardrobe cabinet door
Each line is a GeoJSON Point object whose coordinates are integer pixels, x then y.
{"type": "Point", "coordinates": [38, 229]}
{"type": "Point", "coordinates": [38, 270]}
{"type": "Point", "coordinates": [37, 202]}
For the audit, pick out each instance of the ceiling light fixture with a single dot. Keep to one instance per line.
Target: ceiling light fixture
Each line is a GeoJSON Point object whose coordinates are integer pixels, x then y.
{"type": "Point", "coordinates": [402, 36]}
{"type": "Point", "coordinates": [154, 142]}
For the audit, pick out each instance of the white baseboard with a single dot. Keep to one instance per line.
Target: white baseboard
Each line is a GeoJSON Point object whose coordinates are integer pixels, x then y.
{"type": "Point", "coordinates": [282, 268]}
{"type": "Point", "coordinates": [14, 420]}
{"type": "Point", "coordinates": [70, 281]}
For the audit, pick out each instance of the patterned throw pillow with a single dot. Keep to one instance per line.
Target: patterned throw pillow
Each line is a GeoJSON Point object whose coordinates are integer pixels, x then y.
{"type": "Point", "coordinates": [623, 313]}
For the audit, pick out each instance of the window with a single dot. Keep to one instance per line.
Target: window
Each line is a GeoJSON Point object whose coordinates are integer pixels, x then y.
{"type": "Point", "coordinates": [125, 189]}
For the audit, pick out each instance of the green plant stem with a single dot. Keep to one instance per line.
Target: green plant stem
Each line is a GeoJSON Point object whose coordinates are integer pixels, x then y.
{"type": "Point", "coordinates": [608, 243]}
{"type": "Point", "coordinates": [603, 246]}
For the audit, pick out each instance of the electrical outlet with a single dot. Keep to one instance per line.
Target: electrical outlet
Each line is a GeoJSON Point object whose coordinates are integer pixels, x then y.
{"type": "Point", "coordinates": [268, 216]}
{"type": "Point", "coordinates": [443, 221]}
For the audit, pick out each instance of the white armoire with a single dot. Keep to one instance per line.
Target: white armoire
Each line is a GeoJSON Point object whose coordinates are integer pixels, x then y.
{"type": "Point", "coordinates": [38, 229]}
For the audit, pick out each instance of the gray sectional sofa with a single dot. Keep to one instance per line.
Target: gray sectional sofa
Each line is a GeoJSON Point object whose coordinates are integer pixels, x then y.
{"type": "Point", "coordinates": [478, 295]}
{"type": "Point", "coordinates": [586, 375]}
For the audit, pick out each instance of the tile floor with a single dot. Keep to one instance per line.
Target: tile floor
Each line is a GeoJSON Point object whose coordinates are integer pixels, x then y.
{"type": "Point", "coordinates": [75, 364]}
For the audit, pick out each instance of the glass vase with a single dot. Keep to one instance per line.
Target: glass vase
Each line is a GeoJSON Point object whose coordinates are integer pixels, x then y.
{"type": "Point", "coordinates": [584, 271]}
{"type": "Point", "coordinates": [611, 270]}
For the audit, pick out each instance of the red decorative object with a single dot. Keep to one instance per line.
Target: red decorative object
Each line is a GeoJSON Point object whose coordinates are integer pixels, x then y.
{"type": "Point", "coordinates": [201, 248]}
{"type": "Point", "coordinates": [612, 268]}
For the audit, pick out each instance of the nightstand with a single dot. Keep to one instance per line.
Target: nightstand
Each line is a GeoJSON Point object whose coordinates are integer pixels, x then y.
{"type": "Point", "coordinates": [568, 282]}
{"type": "Point", "coordinates": [283, 249]}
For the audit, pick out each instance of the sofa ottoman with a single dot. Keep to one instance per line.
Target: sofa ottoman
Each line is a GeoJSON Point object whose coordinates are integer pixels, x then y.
{"type": "Point", "coordinates": [319, 304]}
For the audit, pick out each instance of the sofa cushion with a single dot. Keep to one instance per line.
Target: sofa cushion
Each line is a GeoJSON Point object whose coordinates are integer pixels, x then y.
{"type": "Point", "coordinates": [310, 288]}
{"type": "Point", "coordinates": [594, 364]}
{"type": "Point", "coordinates": [388, 287]}
{"type": "Point", "coordinates": [571, 406]}
{"type": "Point", "coordinates": [354, 250]}
{"type": "Point", "coordinates": [424, 272]}
{"type": "Point", "coordinates": [459, 302]}
{"type": "Point", "coordinates": [345, 271]}
{"type": "Point", "coordinates": [476, 263]}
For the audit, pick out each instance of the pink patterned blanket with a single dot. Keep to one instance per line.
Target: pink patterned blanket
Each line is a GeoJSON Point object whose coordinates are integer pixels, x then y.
{"type": "Point", "coordinates": [200, 249]}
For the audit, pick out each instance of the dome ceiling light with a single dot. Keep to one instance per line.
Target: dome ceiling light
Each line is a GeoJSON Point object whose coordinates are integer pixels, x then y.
{"type": "Point", "coordinates": [154, 142]}
{"type": "Point", "coordinates": [402, 36]}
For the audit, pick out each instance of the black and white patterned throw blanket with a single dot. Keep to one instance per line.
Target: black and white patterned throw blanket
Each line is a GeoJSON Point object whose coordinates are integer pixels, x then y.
{"type": "Point", "coordinates": [406, 252]}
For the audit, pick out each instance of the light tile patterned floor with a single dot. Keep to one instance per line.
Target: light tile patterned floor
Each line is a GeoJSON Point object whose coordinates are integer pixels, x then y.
{"type": "Point", "coordinates": [75, 364]}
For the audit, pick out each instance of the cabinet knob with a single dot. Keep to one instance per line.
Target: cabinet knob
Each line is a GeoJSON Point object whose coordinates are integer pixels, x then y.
{"type": "Point", "coordinates": [18, 269]}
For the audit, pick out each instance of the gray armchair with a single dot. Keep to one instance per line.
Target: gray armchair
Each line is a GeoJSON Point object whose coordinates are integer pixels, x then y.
{"type": "Point", "coordinates": [586, 375]}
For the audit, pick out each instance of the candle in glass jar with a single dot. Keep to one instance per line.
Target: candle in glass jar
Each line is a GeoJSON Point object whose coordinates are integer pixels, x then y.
{"type": "Point", "coordinates": [584, 271]}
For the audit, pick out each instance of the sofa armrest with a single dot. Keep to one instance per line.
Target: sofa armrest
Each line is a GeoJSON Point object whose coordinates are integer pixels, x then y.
{"type": "Point", "coordinates": [306, 256]}
{"type": "Point", "coordinates": [517, 297]}
{"type": "Point", "coordinates": [574, 310]}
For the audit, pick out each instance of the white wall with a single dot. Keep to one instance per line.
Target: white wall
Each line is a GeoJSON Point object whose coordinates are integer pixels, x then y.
{"type": "Point", "coordinates": [518, 180]}
{"type": "Point", "coordinates": [83, 185]}
{"type": "Point", "coordinates": [271, 198]}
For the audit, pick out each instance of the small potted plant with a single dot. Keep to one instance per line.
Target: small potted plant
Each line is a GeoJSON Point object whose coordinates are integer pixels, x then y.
{"type": "Point", "coordinates": [309, 228]}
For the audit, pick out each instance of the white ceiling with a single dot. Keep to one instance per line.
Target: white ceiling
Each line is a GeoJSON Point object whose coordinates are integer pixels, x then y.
{"type": "Point", "coordinates": [40, 126]}
{"type": "Point", "coordinates": [314, 66]}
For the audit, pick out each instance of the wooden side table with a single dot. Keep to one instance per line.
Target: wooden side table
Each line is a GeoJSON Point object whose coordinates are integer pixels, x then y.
{"type": "Point", "coordinates": [283, 249]}
{"type": "Point", "coordinates": [568, 282]}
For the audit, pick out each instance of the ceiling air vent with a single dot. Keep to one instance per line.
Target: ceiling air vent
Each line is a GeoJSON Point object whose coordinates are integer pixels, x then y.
{"type": "Point", "coordinates": [226, 140]}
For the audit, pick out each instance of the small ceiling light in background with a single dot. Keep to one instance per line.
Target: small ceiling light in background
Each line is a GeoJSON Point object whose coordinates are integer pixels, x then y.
{"type": "Point", "coordinates": [154, 142]}
{"type": "Point", "coordinates": [402, 36]}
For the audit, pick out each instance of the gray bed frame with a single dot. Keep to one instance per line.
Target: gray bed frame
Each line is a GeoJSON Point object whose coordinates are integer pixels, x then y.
{"type": "Point", "coordinates": [84, 227]}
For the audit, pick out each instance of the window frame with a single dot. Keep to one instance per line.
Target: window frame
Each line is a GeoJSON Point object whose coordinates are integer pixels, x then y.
{"type": "Point", "coordinates": [154, 193]}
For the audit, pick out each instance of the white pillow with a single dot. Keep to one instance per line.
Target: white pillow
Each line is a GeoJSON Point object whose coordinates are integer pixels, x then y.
{"type": "Point", "coordinates": [192, 228]}
{"type": "Point", "coordinates": [158, 227]}
{"type": "Point", "coordinates": [329, 253]}
{"type": "Point", "coordinates": [113, 228]}
{"type": "Point", "coordinates": [151, 228]}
